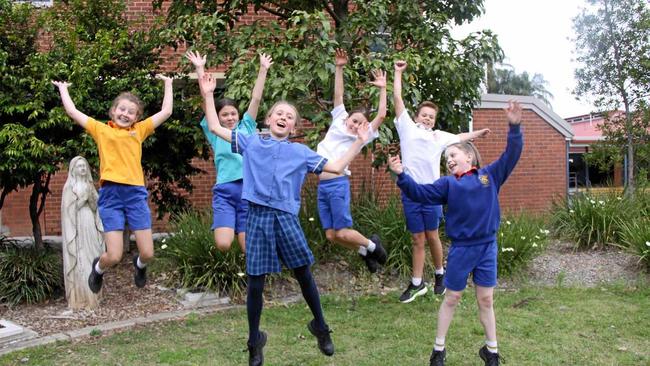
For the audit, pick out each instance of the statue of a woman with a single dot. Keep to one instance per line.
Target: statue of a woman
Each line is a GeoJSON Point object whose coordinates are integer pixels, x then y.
{"type": "Point", "coordinates": [82, 234]}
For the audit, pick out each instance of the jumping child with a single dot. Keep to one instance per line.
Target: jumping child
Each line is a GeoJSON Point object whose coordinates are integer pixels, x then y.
{"type": "Point", "coordinates": [421, 147]}
{"type": "Point", "coordinates": [471, 194]}
{"type": "Point", "coordinates": [334, 189]}
{"type": "Point", "coordinates": [229, 211]}
{"type": "Point", "coordinates": [274, 171]}
{"type": "Point", "coordinates": [122, 195]}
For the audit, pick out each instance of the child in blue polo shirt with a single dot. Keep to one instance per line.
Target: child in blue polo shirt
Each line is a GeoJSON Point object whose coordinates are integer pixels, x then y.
{"type": "Point", "coordinates": [229, 211]}
{"type": "Point", "coordinates": [471, 194]}
{"type": "Point", "coordinates": [334, 189]}
{"type": "Point", "coordinates": [274, 171]}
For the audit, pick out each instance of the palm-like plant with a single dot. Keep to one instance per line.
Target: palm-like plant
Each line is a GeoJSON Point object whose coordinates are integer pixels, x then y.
{"type": "Point", "coordinates": [504, 80]}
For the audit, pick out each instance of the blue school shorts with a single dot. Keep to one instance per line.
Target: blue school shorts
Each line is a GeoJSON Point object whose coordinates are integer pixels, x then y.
{"type": "Point", "coordinates": [419, 216]}
{"type": "Point", "coordinates": [228, 208]}
{"type": "Point", "coordinates": [479, 260]}
{"type": "Point", "coordinates": [118, 203]}
{"type": "Point", "coordinates": [334, 203]}
{"type": "Point", "coordinates": [272, 236]}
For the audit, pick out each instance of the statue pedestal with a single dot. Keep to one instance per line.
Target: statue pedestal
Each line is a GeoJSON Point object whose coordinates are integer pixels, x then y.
{"type": "Point", "coordinates": [11, 332]}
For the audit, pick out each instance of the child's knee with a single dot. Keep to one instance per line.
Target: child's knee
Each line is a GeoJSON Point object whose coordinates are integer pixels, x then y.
{"type": "Point", "coordinates": [112, 258]}
{"type": "Point", "coordinates": [145, 255]}
{"type": "Point", "coordinates": [485, 301]}
{"type": "Point", "coordinates": [223, 245]}
{"type": "Point", "coordinates": [343, 235]}
{"type": "Point", "coordinates": [452, 298]}
{"type": "Point", "coordinates": [330, 235]}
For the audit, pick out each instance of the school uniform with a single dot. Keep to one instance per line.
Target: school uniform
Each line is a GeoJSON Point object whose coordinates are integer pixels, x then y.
{"type": "Point", "coordinates": [122, 196]}
{"type": "Point", "coordinates": [473, 214]}
{"type": "Point", "coordinates": [228, 207]}
{"type": "Point", "coordinates": [421, 149]}
{"type": "Point", "coordinates": [273, 172]}
{"type": "Point", "coordinates": [334, 194]}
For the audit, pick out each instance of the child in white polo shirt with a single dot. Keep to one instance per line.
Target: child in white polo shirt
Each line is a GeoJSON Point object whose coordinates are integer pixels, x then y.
{"type": "Point", "coordinates": [421, 147]}
{"type": "Point", "coordinates": [334, 189]}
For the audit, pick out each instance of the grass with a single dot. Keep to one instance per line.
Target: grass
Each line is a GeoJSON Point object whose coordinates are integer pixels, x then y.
{"type": "Point", "coordinates": [536, 326]}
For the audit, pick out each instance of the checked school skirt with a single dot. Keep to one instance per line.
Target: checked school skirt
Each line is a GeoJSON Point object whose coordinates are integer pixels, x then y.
{"type": "Point", "coordinates": [272, 236]}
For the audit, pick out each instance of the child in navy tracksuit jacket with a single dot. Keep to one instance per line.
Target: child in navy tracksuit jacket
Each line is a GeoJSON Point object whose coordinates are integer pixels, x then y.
{"type": "Point", "coordinates": [471, 194]}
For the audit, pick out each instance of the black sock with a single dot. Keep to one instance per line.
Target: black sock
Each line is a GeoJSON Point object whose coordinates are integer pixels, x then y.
{"type": "Point", "coordinates": [310, 293]}
{"type": "Point", "coordinates": [254, 303]}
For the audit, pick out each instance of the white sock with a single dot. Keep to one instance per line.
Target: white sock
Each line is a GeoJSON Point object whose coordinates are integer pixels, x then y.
{"type": "Point", "coordinates": [440, 271]}
{"type": "Point", "coordinates": [416, 281]}
{"type": "Point", "coordinates": [492, 346]}
{"type": "Point", "coordinates": [140, 264]}
{"type": "Point", "coordinates": [363, 251]}
{"type": "Point", "coordinates": [97, 269]}
{"type": "Point", "coordinates": [440, 344]}
{"type": "Point", "coordinates": [371, 246]}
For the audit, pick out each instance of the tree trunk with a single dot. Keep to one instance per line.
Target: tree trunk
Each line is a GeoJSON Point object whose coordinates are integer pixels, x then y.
{"type": "Point", "coordinates": [40, 189]}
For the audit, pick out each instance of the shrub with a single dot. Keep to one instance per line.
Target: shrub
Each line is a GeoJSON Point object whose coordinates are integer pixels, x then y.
{"type": "Point", "coordinates": [519, 240]}
{"type": "Point", "coordinates": [28, 275]}
{"type": "Point", "coordinates": [193, 260]}
{"type": "Point", "coordinates": [635, 236]}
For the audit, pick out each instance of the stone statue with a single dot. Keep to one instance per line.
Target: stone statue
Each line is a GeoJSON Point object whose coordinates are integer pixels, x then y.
{"type": "Point", "coordinates": [82, 234]}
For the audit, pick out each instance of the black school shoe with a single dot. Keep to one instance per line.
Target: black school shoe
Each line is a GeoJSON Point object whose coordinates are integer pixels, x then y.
{"type": "Point", "coordinates": [379, 253]}
{"type": "Point", "coordinates": [256, 352]}
{"type": "Point", "coordinates": [490, 359]}
{"type": "Point", "coordinates": [95, 279]}
{"type": "Point", "coordinates": [439, 286]}
{"type": "Point", "coordinates": [324, 340]}
{"type": "Point", "coordinates": [140, 274]}
{"type": "Point", "coordinates": [371, 262]}
{"type": "Point", "coordinates": [437, 358]}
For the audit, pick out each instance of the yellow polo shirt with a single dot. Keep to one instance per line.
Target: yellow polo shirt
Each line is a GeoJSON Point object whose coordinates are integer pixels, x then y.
{"type": "Point", "coordinates": [120, 150]}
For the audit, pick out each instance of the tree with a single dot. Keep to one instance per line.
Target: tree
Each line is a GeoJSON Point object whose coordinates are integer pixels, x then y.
{"type": "Point", "coordinates": [614, 51]}
{"type": "Point", "coordinates": [504, 80]}
{"type": "Point", "coordinates": [93, 46]}
{"type": "Point", "coordinates": [304, 34]}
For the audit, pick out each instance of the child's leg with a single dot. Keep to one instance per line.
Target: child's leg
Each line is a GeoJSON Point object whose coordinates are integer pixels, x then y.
{"type": "Point", "coordinates": [241, 239]}
{"type": "Point", "coordinates": [351, 238]}
{"type": "Point", "coordinates": [445, 315]}
{"type": "Point", "coordinates": [435, 245]}
{"type": "Point", "coordinates": [418, 255]}
{"type": "Point", "coordinates": [311, 295]}
{"type": "Point", "coordinates": [332, 237]}
{"type": "Point", "coordinates": [223, 237]}
{"type": "Point", "coordinates": [254, 304]}
{"type": "Point", "coordinates": [485, 300]}
{"type": "Point", "coordinates": [114, 248]}
{"type": "Point", "coordinates": [144, 240]}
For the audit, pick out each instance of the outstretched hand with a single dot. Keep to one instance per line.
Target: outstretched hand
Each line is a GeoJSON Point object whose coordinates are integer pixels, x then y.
{"type": "Point", "coordinates": [207, 84]}
{"type": "Point", "coordinates": [395, 164]}
{"type": "Point", "coordinates": [61, 84]}
{"type": "Point", "coordinates": [513, 112]}
{"type": "Point", "coordinates": [484, 132]}
{"type": "Point", "coordinates": [363, 132]}
{"type": "Point", "coordinates": [265, 61]}
{"type": "Point", "coordinates": [380, 78]}
{"type": "Point", "coordinates": [400, 65]}
{"type": "Point", "coordinates": [341, 57]}
{"type": "Point", "coordinates": [196, 59]}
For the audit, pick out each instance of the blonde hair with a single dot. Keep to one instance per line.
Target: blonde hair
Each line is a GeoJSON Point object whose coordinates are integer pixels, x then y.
{"type": "Point", "coordinates": [427, 104]}
{"type": "Point", "coordinates": [469, 148]}
{"type": "Point", "coordinates": [279, 102]}
{"type": "Point", "coordinates": [131, 98]}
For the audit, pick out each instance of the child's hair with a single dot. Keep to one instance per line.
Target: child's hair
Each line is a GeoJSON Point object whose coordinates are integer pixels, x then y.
{"type": "Point", "coordinates": [362, 110]}
{"type": "Point", "coordinates": [469, 148]}
{"type": "Point", "coordinates": [429, 104]}
{"type": "Point", "coordinates": [298, 118]}
{"type": "Point", "coordinates": [131, 98]}
{"type": "Point", "coordinates": [224, 102]}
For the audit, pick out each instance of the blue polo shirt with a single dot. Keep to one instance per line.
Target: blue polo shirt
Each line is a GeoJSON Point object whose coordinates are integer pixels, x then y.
{"type": "Point", "coordinates": [274, 170]}
{"type": "Point", "coordinates": [227, 163]}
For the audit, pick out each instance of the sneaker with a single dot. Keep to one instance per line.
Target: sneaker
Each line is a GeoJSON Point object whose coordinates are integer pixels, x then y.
{"type": "Point", "coordinates": [324, 340]}
{"type": "Point", "coordinates": [439, 287]}
{"type": "Point", "coordinates": [437, 358]}
{"type": "Point", "coordinates": [490, 359]}
{"type": "Point", "coordinates": [95, 279]}
{"type": "Point", "coordinates": [412, 292]}
{"type": "Point", "coordinates": [379, 253]}
{"type": "Point", "coordinates": [371, 262]}
{"type": "Point", "coordinates": [140, 274]}
{"type": "Point", "coordinates": [256, 353]}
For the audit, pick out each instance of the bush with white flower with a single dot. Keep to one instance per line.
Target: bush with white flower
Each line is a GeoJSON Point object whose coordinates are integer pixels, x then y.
{"type": "Point", "coordinates": [520, 239]}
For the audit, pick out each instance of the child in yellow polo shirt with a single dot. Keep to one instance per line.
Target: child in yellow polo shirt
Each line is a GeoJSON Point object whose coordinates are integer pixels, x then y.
{"type": "Point", "coordinates": [122, 195]}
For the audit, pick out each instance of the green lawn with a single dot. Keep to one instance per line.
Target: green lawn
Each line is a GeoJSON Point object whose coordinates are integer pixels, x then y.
{"type": "Point", "coordinates": [536, 326]}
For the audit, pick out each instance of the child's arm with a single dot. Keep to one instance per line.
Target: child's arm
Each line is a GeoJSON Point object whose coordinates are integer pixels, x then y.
{"type": "Point", "coordinates": [435, 193]}
{"type": "Point", "coordinates": [474, 134]}
{"type": "Point", "coordinates": [503, 166]}
{"type": "Point", "coordinates": [207, 84]}
{"type": "Point", "coordinates": [68, 104]}
{"type": "Point", "coordinates": [167, 104]}
{"type": "Point", "coordinates": [199, 66]}
{"type": "Point", "coordinates": [340, 60]}
{"type": "Point", "coordinates": [256, 97]}
{"type": "Point", "coordinates": [380, 82]}
{"type": "Point", "coordinates": [338, 166]}
{"type": "Point", "coordinates": [400, 66]}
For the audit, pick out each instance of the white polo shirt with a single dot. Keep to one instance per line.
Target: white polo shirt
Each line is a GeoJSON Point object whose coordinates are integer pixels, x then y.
{"type": "Point", "coordinates": [421, 148]}
{"type": "Point", "coordinates": [338, 140]}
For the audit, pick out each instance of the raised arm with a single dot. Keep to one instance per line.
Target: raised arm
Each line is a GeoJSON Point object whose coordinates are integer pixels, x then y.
{"type": "Point", "coordinates": [502, 167]}
{"type": "Point", "coordinates": [68, 104]}
{"type": "Point", "coordinates": [338, 166]}
{"type": "Point", "coordinates": [199, 66]}
{"type": "Point", "coordinates": [474, 134]}
{"type": "Point", "coordinates": [340, 60]}
{"type": "Point", "coordinates": [207, 84]}
{"type": "Point", "coordinates": [400, 66]}
{"type": "Point", "coordinates": [167, 104]}
{"type": "Point", "coordinates": [256, 97]}
{"type": "Point", "coordinates": [380, 82]}
{"type": "Point", "coordinates": [435, 193]}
